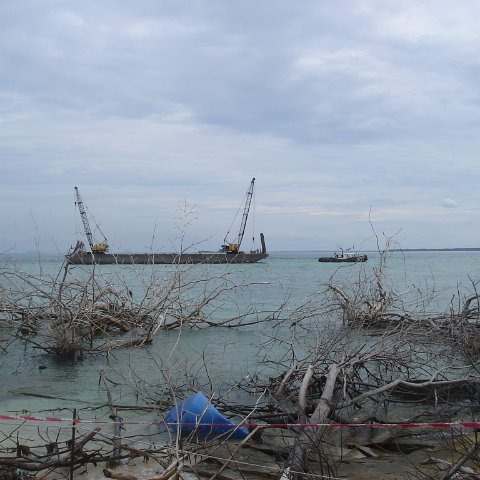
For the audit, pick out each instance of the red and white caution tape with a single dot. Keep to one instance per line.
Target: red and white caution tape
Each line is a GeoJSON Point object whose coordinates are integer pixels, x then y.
{"type": "Point", "coordinates": [70, 421]}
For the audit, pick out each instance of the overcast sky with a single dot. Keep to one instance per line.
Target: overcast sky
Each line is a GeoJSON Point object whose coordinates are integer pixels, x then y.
{"type": "Point", "coordinates": [349, 114]}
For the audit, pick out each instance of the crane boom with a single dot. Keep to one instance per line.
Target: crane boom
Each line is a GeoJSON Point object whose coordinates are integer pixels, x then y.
{"type": "Point", "coordinates": [83, 215]}
{"type": "Point", "coordinates": [235, 247]}
{"type": "Point", "coordinates": [248, 201]}
{"type": "Point", "coordinates": [101, 247]}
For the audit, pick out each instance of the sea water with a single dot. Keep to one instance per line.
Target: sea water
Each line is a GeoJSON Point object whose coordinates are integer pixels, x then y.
{"type": "Point", "coordinates": [210, 358]}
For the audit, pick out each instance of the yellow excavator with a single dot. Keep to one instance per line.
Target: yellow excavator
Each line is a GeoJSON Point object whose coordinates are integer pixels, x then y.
{"type": "Point", "coordinates": [96, 248]}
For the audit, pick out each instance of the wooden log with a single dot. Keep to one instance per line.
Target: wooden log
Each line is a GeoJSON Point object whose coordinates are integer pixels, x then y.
{"type": "Point", "coordinates": [284, 381]}
{"type": "Point", "coordinates": [173, 469]}
{"type": "Point", "coordinates": [117, 435]}
{"type": "Point", "coordinates": [459, 465]}
{"type": "Point", "coordinates": [302, 395]}
{"type": "Point", "coordinates": [240, 445]}
{"type": "Point", "coordinates": [85, 440]}
{"type": "Point", "coordinates": [118, 475]}
{"type": "Point", "coordinates": [311, 435]}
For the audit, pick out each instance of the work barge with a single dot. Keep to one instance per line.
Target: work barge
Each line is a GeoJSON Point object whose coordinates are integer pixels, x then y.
{"type": "Point", "coordinates": [229, 252]}
{"type": "Point", "coordinates": [89, 258]}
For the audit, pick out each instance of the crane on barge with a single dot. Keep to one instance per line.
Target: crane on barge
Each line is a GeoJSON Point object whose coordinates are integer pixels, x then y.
{"type": "Point", "coordinates": [101, 247]}
{"type": "Point", "coordinates": [234, 247]}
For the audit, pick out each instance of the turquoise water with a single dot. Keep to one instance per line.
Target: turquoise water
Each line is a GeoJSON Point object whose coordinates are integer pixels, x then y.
{"type": "Point", "coordinates": [212, 358]}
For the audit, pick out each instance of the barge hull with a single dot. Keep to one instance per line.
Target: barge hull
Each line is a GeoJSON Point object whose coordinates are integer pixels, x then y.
{"type": "Point", "coordinates": [87, 258]}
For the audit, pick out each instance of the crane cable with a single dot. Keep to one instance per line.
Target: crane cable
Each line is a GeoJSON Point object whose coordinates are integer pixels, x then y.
{"type": "Point", "coordinates": [234, 219]}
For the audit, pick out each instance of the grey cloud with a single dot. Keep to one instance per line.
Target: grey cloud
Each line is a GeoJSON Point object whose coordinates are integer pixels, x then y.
{"type": "Point", "coordinates": [333, 107]}
{"type": "Point", "coordinates": [449, 203]}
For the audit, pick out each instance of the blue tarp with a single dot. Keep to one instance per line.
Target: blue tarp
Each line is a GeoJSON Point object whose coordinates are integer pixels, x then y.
{"type": "Point", "coordinates": [197, 413]}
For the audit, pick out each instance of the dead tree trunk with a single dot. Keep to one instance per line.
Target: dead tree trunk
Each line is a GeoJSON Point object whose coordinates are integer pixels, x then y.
{"type": "Point", "coordinates": [117, 435]}
{"type": "Point", "coordinates": [312, 435]}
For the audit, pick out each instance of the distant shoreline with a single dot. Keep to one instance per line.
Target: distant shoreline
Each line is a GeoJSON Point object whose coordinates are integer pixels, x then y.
{"type": "Point", "coordinates": [458, 249]}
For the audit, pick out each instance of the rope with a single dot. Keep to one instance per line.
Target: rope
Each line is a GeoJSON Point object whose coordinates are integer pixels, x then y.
{"type": "Point", "coordinates": [457, 424]}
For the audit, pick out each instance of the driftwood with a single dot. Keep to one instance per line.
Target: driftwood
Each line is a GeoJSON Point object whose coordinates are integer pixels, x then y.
{"type": "Point", "coordinates": [428, 386]}
{"type": "Point", "coordinates": [217, 474]}
{"type": "Point", "coordinates": [117, 435]}
{"type": "Point", "coordinates": [28, 462]}
{"type": "Point", "coordinates": [312, 435]}
{"type": "Point", "coordinates": [72, 317]}
{"type": "Point", "coordinates": [467, 311]}
{"type": "Point", "coordinates": [279, 391]}
{"type": "Point", "coordinates": [118, 475]}
{"type": "Point", "coordinates": [302, 395]}
{"type": "Point", "coordinates": [458, 467]}
{"type": "Point", "coordinates": [173, 469]}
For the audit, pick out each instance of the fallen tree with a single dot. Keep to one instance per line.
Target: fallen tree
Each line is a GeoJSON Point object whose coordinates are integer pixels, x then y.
{"type": "Point", "coordinates": [87, 312]}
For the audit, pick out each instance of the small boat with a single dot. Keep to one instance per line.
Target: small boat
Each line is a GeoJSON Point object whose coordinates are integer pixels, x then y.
{"type": "Point", "coordinates": [344, 257]}
{"type": "Point", "coordinates": [196, 414]}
